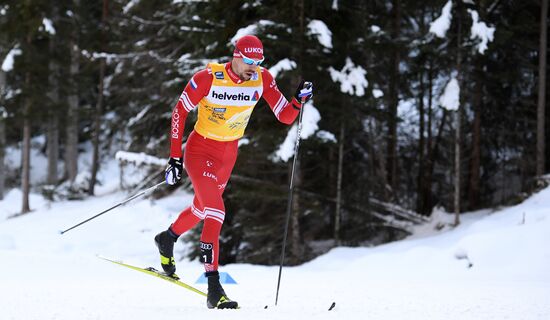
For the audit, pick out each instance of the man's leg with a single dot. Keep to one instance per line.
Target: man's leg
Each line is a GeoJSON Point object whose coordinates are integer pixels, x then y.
{"type": "Point", "coordinates": [166, 239]}
{"type": "Point", "coordinates": [209, 182]}
{"type": "Point", "coordinates": [216, 295]}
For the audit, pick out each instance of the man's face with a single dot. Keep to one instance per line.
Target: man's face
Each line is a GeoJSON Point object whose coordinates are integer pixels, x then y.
{"type": "Point", "coordinates": [243, 70]}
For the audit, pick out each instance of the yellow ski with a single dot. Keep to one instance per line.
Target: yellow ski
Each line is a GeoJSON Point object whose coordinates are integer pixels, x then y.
{"type": "Point", "coordinates": [154, 272]}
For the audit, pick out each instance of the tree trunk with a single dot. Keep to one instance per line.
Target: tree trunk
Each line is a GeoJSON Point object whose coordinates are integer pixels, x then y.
{"type": "Point", "coordinates": [457, 182]}
{"type": "Point", "coordinates": [541, 104]}
{"type": "Point", "coordinates": [394, 100]}
{"type": "Point", "coordinates": [98, 109]}
{"type": "Point", "coordinates": [296, 251]}
{"type": "Point", "coordinates": [26, 148]}
{"type": "Point", "coordinates": [97, 128]}
{"type": "Point", "coordinates": [421, 147]}
{"type": "Point", "coordinates": [52, 134]}
{"type": "Point", "coordinates": [26, 160]}
{"type": "Point", "coordinates": [3, 116]}
{"type": "Point", "coordinates": [2, 153]}
{"type": "Point", "coordinates": [338, 213]}
{"type": "Point", "coordinates": [71, 143]}
{"type": "Point", "coordinates": [295, 241]}
{"type": "Point", "coordinates": [475, 164]}
{"type": "Point", "coordinates": [26, 151]}
{"type": "Point", "coordinates": [458, 123]}
{"type": "Point", "coordinates": [432, 155]}
{"type": "Point", "coordinates": [52, 147]}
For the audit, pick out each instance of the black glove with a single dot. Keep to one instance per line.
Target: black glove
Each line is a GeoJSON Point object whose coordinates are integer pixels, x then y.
{"type": "Point", "coordinates": [304, 91]}
{"type": "Point", "coordinates": [174, 170]}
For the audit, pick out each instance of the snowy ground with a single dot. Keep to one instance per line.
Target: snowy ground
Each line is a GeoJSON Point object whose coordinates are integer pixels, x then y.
{"type": "Point", "coordinates": [44, 275]}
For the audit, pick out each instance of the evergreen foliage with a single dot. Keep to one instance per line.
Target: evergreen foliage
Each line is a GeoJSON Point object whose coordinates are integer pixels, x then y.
{"type": "Point", "coordinates": [152, 48]}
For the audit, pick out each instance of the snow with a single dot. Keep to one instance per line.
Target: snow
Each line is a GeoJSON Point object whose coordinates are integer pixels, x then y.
{"type": "Point", "coordinates": [250, 30]}
{"type": "Point", "coordinates": [45, 275]}
{"type": "Point", "coordinates": [320, 30]}
{"type": "Point", "coordinates": [440, 25]}
{"type": "Point", "coordinates": [243, 142]}
{"type": "Point", "coordinates": [481, 31]}
{"type": "Point", "coordinates": [129, 6]}
{"type": "Point", "coordinates": [39, 162]}
{"type": "Point", "coordinates": [326, 136]}
{"type": "Point", "coordinates": [377, 93]}
{"type": "Point", "coordinates": [375, 29]}
{"type": "Point", "coordinates": [140, 158]}
{"type": "Point", "coordinates": [48, 26]}
{"type": "Point", "coordinates": [7, 64]}
{"type": "Point", "coordinates": [137, 118]}
{"type": "Point", "coordinates": [283, 65]}
{"type": "Point", "coordinates": [310, 119]}
{"type": "Point", "coordinates": [352, 78]}
{"type": "Point", "coordinates": [247, 5]}
{"type": "Point", "coordinates": [450, 99]}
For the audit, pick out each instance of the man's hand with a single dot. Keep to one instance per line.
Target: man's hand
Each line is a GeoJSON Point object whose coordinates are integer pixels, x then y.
{"type": "Point", "coordinates": [174, 170]}
{"type": "Point", "coordinates": [304, 92]}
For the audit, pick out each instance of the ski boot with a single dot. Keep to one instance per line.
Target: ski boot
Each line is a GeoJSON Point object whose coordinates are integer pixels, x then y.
{"type": "Point", "coordinates": [165, 243]}
{"type": "Point", "coordinates": [217, 299]}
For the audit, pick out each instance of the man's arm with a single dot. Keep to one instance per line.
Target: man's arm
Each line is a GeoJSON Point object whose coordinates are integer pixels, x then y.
{"type": "Point", "coordinates": [194, 91]}
{"type": "Point", "coordinates": [286, 112]}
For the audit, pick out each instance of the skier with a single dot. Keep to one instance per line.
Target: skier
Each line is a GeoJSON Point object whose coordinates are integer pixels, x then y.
{"type": "Point", "coordinates": [226, 95]}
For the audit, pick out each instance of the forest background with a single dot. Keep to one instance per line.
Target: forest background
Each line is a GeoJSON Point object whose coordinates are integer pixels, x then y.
{"type": "Point", "coordinates": [423, 106]}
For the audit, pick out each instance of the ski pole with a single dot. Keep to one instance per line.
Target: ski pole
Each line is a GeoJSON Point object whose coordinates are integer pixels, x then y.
{"type": "Point", "coordinates": [116, 206]}
{"type": "Point", "coordinates": [291, 192]}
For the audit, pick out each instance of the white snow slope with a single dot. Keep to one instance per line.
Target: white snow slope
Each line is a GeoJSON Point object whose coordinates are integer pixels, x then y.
{"type": "Point", "coordinates": [45, 275]}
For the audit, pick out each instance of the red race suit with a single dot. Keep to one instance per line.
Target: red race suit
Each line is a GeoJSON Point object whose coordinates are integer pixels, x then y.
{"type": "Point", "coordinates": [224, 104]}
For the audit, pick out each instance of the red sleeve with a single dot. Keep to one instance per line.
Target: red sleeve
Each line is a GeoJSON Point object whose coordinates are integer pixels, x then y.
{"type": "Point", "coordinates": [285, 111]}
{"type": "Point", "coordinates": [194, 91]}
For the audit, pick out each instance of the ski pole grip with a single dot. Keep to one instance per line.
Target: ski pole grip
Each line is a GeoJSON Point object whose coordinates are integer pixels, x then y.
{"type": "Point", "coordinates": [303, 95]}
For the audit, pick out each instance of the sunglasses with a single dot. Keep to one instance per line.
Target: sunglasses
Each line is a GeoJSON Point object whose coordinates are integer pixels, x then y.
{"type": "Point", "coordinates": [251, 61]}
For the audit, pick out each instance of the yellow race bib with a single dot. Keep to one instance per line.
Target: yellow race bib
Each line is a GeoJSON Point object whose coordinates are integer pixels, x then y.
{"type": "Point", "coordinates": [224, 113]}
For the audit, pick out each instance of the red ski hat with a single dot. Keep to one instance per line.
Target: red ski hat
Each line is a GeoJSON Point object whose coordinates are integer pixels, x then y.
{"type": "Point", "coordinates": [249, 46]}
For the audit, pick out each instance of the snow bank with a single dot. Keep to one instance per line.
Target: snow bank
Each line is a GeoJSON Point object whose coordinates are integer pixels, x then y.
{"type": "Point", "coordinates": [494, 265]}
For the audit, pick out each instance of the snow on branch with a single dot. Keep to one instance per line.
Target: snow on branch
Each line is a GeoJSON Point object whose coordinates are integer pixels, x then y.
{"type": "Point", "coordinates": [352, 78]}
{"type": "Point", "coordinates": [139, 158]}
{"type": "Point", "coordinates": [320, 30]}
{"type": "Point", "coordinates": [440, 25]}
{"type": "Point", "coordinates": [283, 65]}
{"type": "Point", "coordinates": [139, 116]}
{"type": "Point", "coordinates": [309, 126]}
{"type": "Point", "coordinates": [481, 31]}
{"type": "Point", "coordinates": [7, 64]}
{"type": "Point", "coordinates": [47, 24]}
{"type": "Point", "coordinates": [450, 99]}
{"type": "Point", "coordinates": [250, 30]}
